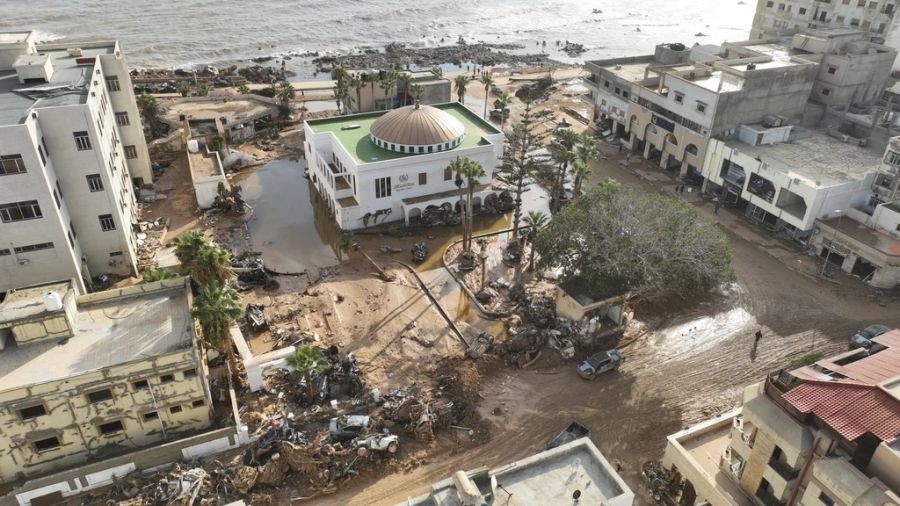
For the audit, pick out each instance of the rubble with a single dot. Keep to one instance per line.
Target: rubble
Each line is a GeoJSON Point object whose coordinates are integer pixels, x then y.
{"type": "Point", "coordinates": [256, 317]}
{"type": "Point", "coordinates": [149, 241]}
{"type": "Point", "coordinates": [419, 252]}
{"type": "Point", "coordinates": [230, 200]}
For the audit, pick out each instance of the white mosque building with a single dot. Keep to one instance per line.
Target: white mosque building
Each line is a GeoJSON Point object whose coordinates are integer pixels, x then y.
{"type": "Point", "coordinates": [387, 166]}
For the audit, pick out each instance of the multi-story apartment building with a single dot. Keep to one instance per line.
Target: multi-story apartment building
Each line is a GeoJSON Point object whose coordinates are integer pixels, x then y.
{"type": "Point", "coordinates": [84, 377]}
{"type": "Point", "coordinates": [826, 434]}
{"type": "Point", "coordinates": [386, 166]}
{"type": "Point", "coordinates": [672, 110]}
{"type": "Point", "coordinates": [71, 152]}
{"type": "Point", "coordinates": [875, 18]}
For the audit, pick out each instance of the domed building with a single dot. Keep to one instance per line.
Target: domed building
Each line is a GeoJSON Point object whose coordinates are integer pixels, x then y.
{"type": "Point", "coordinates": [390, 165]}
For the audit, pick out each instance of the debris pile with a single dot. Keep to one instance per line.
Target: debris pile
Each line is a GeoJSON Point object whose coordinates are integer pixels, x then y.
{"type": "Point", "coordinates": [256, 317]}
{"type": "Point", "coordinates": [444, 214]}
{"type": "Point", "coordinates": [230, 200]}
{"type": "Point", "coordinates": [498, 203]}
{"type": "Point", "coordinates": [251, 271]}
{"type": "Point", "coordinates": [572, 49]}
{"type": "Point", "coordinates": [419, 252]}
{"type": "Point", "coordinates": [149, 240]}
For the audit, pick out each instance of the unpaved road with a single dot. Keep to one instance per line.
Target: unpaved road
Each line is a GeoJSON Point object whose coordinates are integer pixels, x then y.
{"type": "Point", "coordinates": [694, 365]}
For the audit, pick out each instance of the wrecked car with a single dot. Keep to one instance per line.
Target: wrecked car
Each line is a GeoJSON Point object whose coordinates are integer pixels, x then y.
{"type": "Point", "coordinates": [599, 363]}
{"type": "Point", "coordinates": [378, 442]}
{"type": "Point", "coordinates": [347, 427]}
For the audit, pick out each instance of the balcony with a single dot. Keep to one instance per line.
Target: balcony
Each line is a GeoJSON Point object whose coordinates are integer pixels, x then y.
{"type": "Point", "coordinates": [767, 498]}
{"type": "Point", "coordinates": [787, 472]}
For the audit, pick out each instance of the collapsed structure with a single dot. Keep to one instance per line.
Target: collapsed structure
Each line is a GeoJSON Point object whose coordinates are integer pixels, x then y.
{"type": "Point", "coordinates": [72, 153]}
{"type": "Point", "coordinates": [827, 434]}
{"type": "Point", "coordinates": [90, 376]}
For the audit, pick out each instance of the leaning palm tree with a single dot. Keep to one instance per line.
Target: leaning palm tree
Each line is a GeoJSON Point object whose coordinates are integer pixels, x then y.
{"type": "Point", "coordinates": [461, 81]}
{"type": "Point", "coordinates": [216, 307]}
{"type": "Point", "coordinates": [416, 90]}
{"type": "Point", "coordinates": [306, 361]}
{"type": "Point", "coordinates": [581, 170]}
{"type": "Point", "coordinates": [149, 107]}
{"type": "Point", "coordinates": [535, 220]}
{"type": "Point", "coordinates": [488, 82]}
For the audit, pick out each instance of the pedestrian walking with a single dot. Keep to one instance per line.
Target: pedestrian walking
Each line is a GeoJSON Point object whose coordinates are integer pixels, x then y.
{"type": "Point", "coordinates": [716, 205]}
{"type": "Point", "coordinates": [620, 147]}
{"type": "Point", "coordinates": [758, 335]}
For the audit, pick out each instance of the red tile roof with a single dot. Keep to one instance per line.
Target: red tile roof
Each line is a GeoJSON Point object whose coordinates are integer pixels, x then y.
{"type": "Point", "coordinates": [850, 410]}
{"type": "Point", "coordinates": [871, 370]}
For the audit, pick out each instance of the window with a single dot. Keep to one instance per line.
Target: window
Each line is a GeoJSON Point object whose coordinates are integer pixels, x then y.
{"type": "Point", "coordinates": [781, 7]}
{"type": "Point", "coordinates": [606, 84]}
{"type": "Point", "coordinates": [18, 211]}
{"type": "Point", "coordinates": [56, 198]}
{"type": "Point", "coordinates": [423, 178]}
{"type": "Point", "coordinates": [382, 187]}
{"type": "Point", "coordinates": [421, 149]}
{"type": "Point", "coordinates": [617, 90]}
{"type": "Point", "coordinates": [72, 228]}
{"type": "Point", "coordinates": [4, 252]}
{"type": "Point", "coordinates": [770, 4]}
{"type": "Point", "coordinates": [112, 83]}
{"type": "Point", "coordinates": [11, 164]}
{"type": "Point", "coordinates": [95, 184]}
{"type": "Point", "coordinates": [854, 22]}
{"type": "Point", "coordinates": [122, 119]}
{"type": "Point", "coordinates": [832, 69]}
{"type": "Point", "coordinates": [46, 444]}
{"type": "Point", "coordinates": [71, 239]}
{"type": "Point", "coordinates": [59, 189]}
{"type": "Point", "coordinates": [44, 143]}
{"type": "Point", "coordinates": [839, 20]}
{"type": "Point", "coordinates": [166, 378]}
{"type": "Point", "coordinates": [873, 5]}
{"type": "Point", "coordinates": [861, 3]}
{"type": "Point", "coordinates": [32, 412]}
{"type": "Point", "coordinates": [624, 94]}
{"type": "Point", "coordinates": [140, 385]}
{"type": "Point", "coordinates": [111, 428]}
{"type": "Point", "coordinates": [150, 415]}
{"type": "Point", "coordinates": [846, 2]}
{"type": "Point", "coordinates": [175, 409]}
{"type": "Point", "coordinates": [801, 10]}
{"type": "Point", "coordinates": [827, 501]}
{"type": "Point", "coordinates": [106, 222]}
{"type": "Point", "coordinates": [679, 98]}
{"type": "Point", "coordinates": [199, 403]}
{"type": "Point", "coordinates": [41, 154]}
{"type": "Point", "coordinates": [130, 152]}
{"type": "Point", "coordinates": [826, 92]}
{"type": "Point", "coordinates": [100, 396]}
{"type": "Point", "coordinates": [430, 149]}
{"type": "Point", "coordinates": [448, 174]}
{"type": "Point", "coordinates": [190, 373]}
{"type": "Point", "coordinates": [115, 253]}
{"type": "Point", "coordinates": [33, 247]}
{"type": "Point", "coordinates": [82, 141]}
{"type": "Point", "coordinates": [701, 107]}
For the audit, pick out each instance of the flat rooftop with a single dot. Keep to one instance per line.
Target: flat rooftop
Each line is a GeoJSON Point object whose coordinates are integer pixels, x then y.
{"type": "Point", "coordinates": [814, 156]}
{"type": "Point", "coordinates": [234, 110]}
{"type": "Point", "coordinates": [358, 144]}
{"type": "Point", "coordinates": [706, 448]}
{"type": "Point", "coordinates": [14, 37]}
{"type": "Point", "coordinates": [881, 241]}
{"type": "Point", "coordinates": [68, 84]}
{"type": "Point", "coordinates": [28, 302]}
{"type": "Point", "coordinates": [108, 332]}
{"type": "Point", "coordinates": [204, 164]}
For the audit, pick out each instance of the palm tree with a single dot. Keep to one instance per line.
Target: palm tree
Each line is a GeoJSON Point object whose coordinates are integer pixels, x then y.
{"type": "Point", "coordinates": [285, 92]}
{"type": "Point", "coordinates": [188, 246]}
{"type": "Point", "coordinates": [149, 107]}
{"type": "Point", "coordinates": [339, 73]}
{"type": "Point", "coordinates": [504, 99]}
{"type": "Point", "coordinates": [243, 89]}
{"type": "Point", "coordinates": [563, 152]}
{"type": "Point", "coordinates": [488, 82]}
{"type": "Point", "coordinates": [461, 81]}
{"type": "Point", "coordinates": [184, 88]}
{"type": "Point", "coordinates": [216, 307]}
{"type": "Point", "coordinates": [387, 85]}
{"type": "Point", "coordinates": [587, 148]}
{"type": "Point", "coordinates": [403, 80]}
{"type": "Point", "coordinates": [467, 171]}
{"type": "Point", "coordinates": [345, 242]}
{"type": "Point", "coordinates": [437, 71]}
{"type": "Point", "coordinates": [306, 361]}
{"type": "Point", "coordinates": [157, 275]}
{"type": "Point", "coordinates": [357, 84]}
{"type": "Point", "coordinates": [581, 170]}
{"type": "Point", "coordinates": [340, 95]}
{"type": "Point", "coordinates": [212, 265]}
{"type": "Point", "coordinates": [416, 90]}
{"type": "Point", "coordinates": [535, 220]}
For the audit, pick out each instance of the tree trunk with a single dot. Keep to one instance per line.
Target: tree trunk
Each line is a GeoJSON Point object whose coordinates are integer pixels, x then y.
{"type": "Point", "coordinates": [309, 389]}
{"type": "Point", "coordinates": [531, 256]}
{"type": "Point", "coordinates": [462, 215]}
{"type": "Point", "coordinates": [577, 188]}
{"type": "Point", "coordinates": [485, 103]}
{"type": "Point", "coordinates": [471, 211]}
{"type": "Point", "coordinates": [517, 205]}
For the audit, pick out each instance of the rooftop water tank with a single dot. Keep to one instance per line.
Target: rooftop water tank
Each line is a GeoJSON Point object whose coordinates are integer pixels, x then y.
{"type": "Point", "coordinates": [52, 301]}
{"type": "Point", "coordinates": [193, 146]}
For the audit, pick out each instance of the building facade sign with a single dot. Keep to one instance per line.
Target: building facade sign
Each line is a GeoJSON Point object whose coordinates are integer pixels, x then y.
{"type": "Point", "coordinates": [662, 122]}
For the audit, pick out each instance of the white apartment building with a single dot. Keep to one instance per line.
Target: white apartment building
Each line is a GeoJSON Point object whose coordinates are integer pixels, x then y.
{"type": "Point", "coordinates": [875, 18]}
{"type": "Point", "coordinates": [378, 167]}
{"type": "Point", "coordinates": [71, 151]}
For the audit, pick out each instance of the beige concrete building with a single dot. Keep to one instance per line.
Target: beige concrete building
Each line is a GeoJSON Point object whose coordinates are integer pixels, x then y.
{"type": "Point", "coordinates": [826, 434]}
{"type": "Point", "coordinates": [90, 376]}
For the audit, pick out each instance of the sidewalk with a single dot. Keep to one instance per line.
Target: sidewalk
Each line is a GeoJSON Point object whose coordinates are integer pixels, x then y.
{"type": "Point", "coordinates": [651, 177]}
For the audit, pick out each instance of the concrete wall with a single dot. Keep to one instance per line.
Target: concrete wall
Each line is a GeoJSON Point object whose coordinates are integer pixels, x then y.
{"type": "Point", "coordinates": [568, 307]}
{"type": "Point", "coordinates": [852, 78]}
{"type": "Point", "coordinates": [885, 464]}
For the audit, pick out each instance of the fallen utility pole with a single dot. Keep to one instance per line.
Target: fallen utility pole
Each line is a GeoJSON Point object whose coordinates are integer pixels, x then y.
{"type": "Point", "coordinates": [381, 273]}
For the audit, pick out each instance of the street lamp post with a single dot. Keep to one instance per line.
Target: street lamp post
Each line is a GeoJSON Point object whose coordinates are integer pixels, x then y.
{"type": "Point", "coordinates": [833, 238]}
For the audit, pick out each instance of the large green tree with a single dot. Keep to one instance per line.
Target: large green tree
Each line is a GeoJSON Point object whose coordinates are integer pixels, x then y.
{"type": "Point", "coordinates": [614, 239]}
{"type": "Point", "coordinates": [149, 107]}
{"type": "Point", "coordinates": [519, 161]}
{"type": "Point", "coordinates": [460, 82]}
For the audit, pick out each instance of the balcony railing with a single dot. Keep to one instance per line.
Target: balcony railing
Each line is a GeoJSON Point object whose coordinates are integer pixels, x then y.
{"type": "Point", "coordinates": [785, 471]}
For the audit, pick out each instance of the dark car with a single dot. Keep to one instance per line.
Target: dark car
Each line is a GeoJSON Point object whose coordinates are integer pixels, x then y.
{"type": "Point", "coordinates": [863, 338]}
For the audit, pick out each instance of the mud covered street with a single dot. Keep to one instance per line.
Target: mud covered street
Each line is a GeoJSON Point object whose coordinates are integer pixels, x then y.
{"type": "Point", "coordinates": [686, 360]}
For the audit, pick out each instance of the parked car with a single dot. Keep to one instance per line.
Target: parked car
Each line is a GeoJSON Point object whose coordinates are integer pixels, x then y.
{"type": "Point", "coordinates": [599, 363]}
{"type": "Point", "coordinates": [347, 427]}
{"type": "Point", "coordinates": [863, 338]}
{"type": "Point", "coordinates": [378, 442]}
